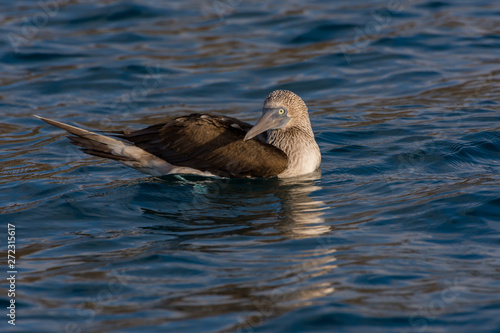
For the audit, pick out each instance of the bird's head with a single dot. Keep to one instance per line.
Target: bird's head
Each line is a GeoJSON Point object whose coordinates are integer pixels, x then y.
{"type": "Point", "coordinates": [282, 109]}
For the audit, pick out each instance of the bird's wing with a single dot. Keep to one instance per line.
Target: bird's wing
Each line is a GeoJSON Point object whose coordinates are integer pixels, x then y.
{"type": "Point", "coordinates": [211, 143]}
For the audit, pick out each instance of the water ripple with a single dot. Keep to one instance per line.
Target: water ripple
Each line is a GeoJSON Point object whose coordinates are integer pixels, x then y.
{"type": "Point", "coordinates": [398, 231]}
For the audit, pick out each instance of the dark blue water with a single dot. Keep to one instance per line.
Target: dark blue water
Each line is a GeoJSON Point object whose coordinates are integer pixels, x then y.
{"type": "Point", "coordinates": [398, 232]}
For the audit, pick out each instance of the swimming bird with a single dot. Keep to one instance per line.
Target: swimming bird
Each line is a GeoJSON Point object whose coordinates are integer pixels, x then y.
{"type": "Point", "coordinates": [280, 144]}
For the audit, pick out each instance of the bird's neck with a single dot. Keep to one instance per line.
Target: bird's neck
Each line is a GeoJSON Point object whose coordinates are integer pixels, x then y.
{"type": "Point", "coordinates": [299, 145]}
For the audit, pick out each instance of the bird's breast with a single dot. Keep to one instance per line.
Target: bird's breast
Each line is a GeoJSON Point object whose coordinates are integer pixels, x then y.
{"type": "Point", "coordinates": [302, 159]}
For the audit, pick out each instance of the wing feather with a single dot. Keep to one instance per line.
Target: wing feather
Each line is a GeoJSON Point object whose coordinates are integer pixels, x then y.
{"type": "Point", "coordinates": [211, 143]}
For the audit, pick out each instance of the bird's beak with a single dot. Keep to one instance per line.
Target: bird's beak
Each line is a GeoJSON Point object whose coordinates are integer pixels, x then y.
{"type": "Point", "coordinates": [270, 119]}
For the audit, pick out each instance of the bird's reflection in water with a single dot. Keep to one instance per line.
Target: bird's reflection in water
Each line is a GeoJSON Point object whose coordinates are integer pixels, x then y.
{"type": "Point", "coordinates": [301, 215]}
{"type": "Point", "coordinates": [286, 205]}
{"type": "Point", "coordinates": [263, 237]}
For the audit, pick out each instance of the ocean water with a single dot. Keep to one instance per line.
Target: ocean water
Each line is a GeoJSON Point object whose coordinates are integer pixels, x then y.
{"type": "Point", "coordinates": [399, 231]}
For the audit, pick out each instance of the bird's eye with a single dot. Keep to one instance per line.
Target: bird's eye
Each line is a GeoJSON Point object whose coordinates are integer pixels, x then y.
{"type": "Point", "coordinates": [281, 111]}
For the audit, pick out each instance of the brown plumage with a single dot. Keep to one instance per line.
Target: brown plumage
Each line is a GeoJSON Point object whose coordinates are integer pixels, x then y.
{"type": "Point", "coordinates": [210, 143]}
{"type": "Point", "coordinates": [213, 145]}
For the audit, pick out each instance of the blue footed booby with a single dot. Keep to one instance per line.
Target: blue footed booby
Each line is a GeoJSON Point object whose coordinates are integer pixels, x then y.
{"type": "Point", "coordinates": [280, 144]}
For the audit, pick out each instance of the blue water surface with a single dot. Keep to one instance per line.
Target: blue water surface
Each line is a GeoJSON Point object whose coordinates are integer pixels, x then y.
{"type": "Point", "coordinates": [399, 231]}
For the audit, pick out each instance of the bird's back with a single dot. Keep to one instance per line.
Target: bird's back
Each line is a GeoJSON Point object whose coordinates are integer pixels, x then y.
{"type": "Point", "coordinates": [210, 143]}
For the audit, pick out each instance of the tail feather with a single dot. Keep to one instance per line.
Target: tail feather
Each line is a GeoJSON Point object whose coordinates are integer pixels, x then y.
{"type": "Point", "coordinates": [91, 143]}
{"type": "Point", "coordinates": [80, 132]}
{"type": "Point", "coordinates": [108, 147]}
{"type": "Point", "coordinates": [105, 155]}
{"type": "Point", "coordinates": [96, 148]}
